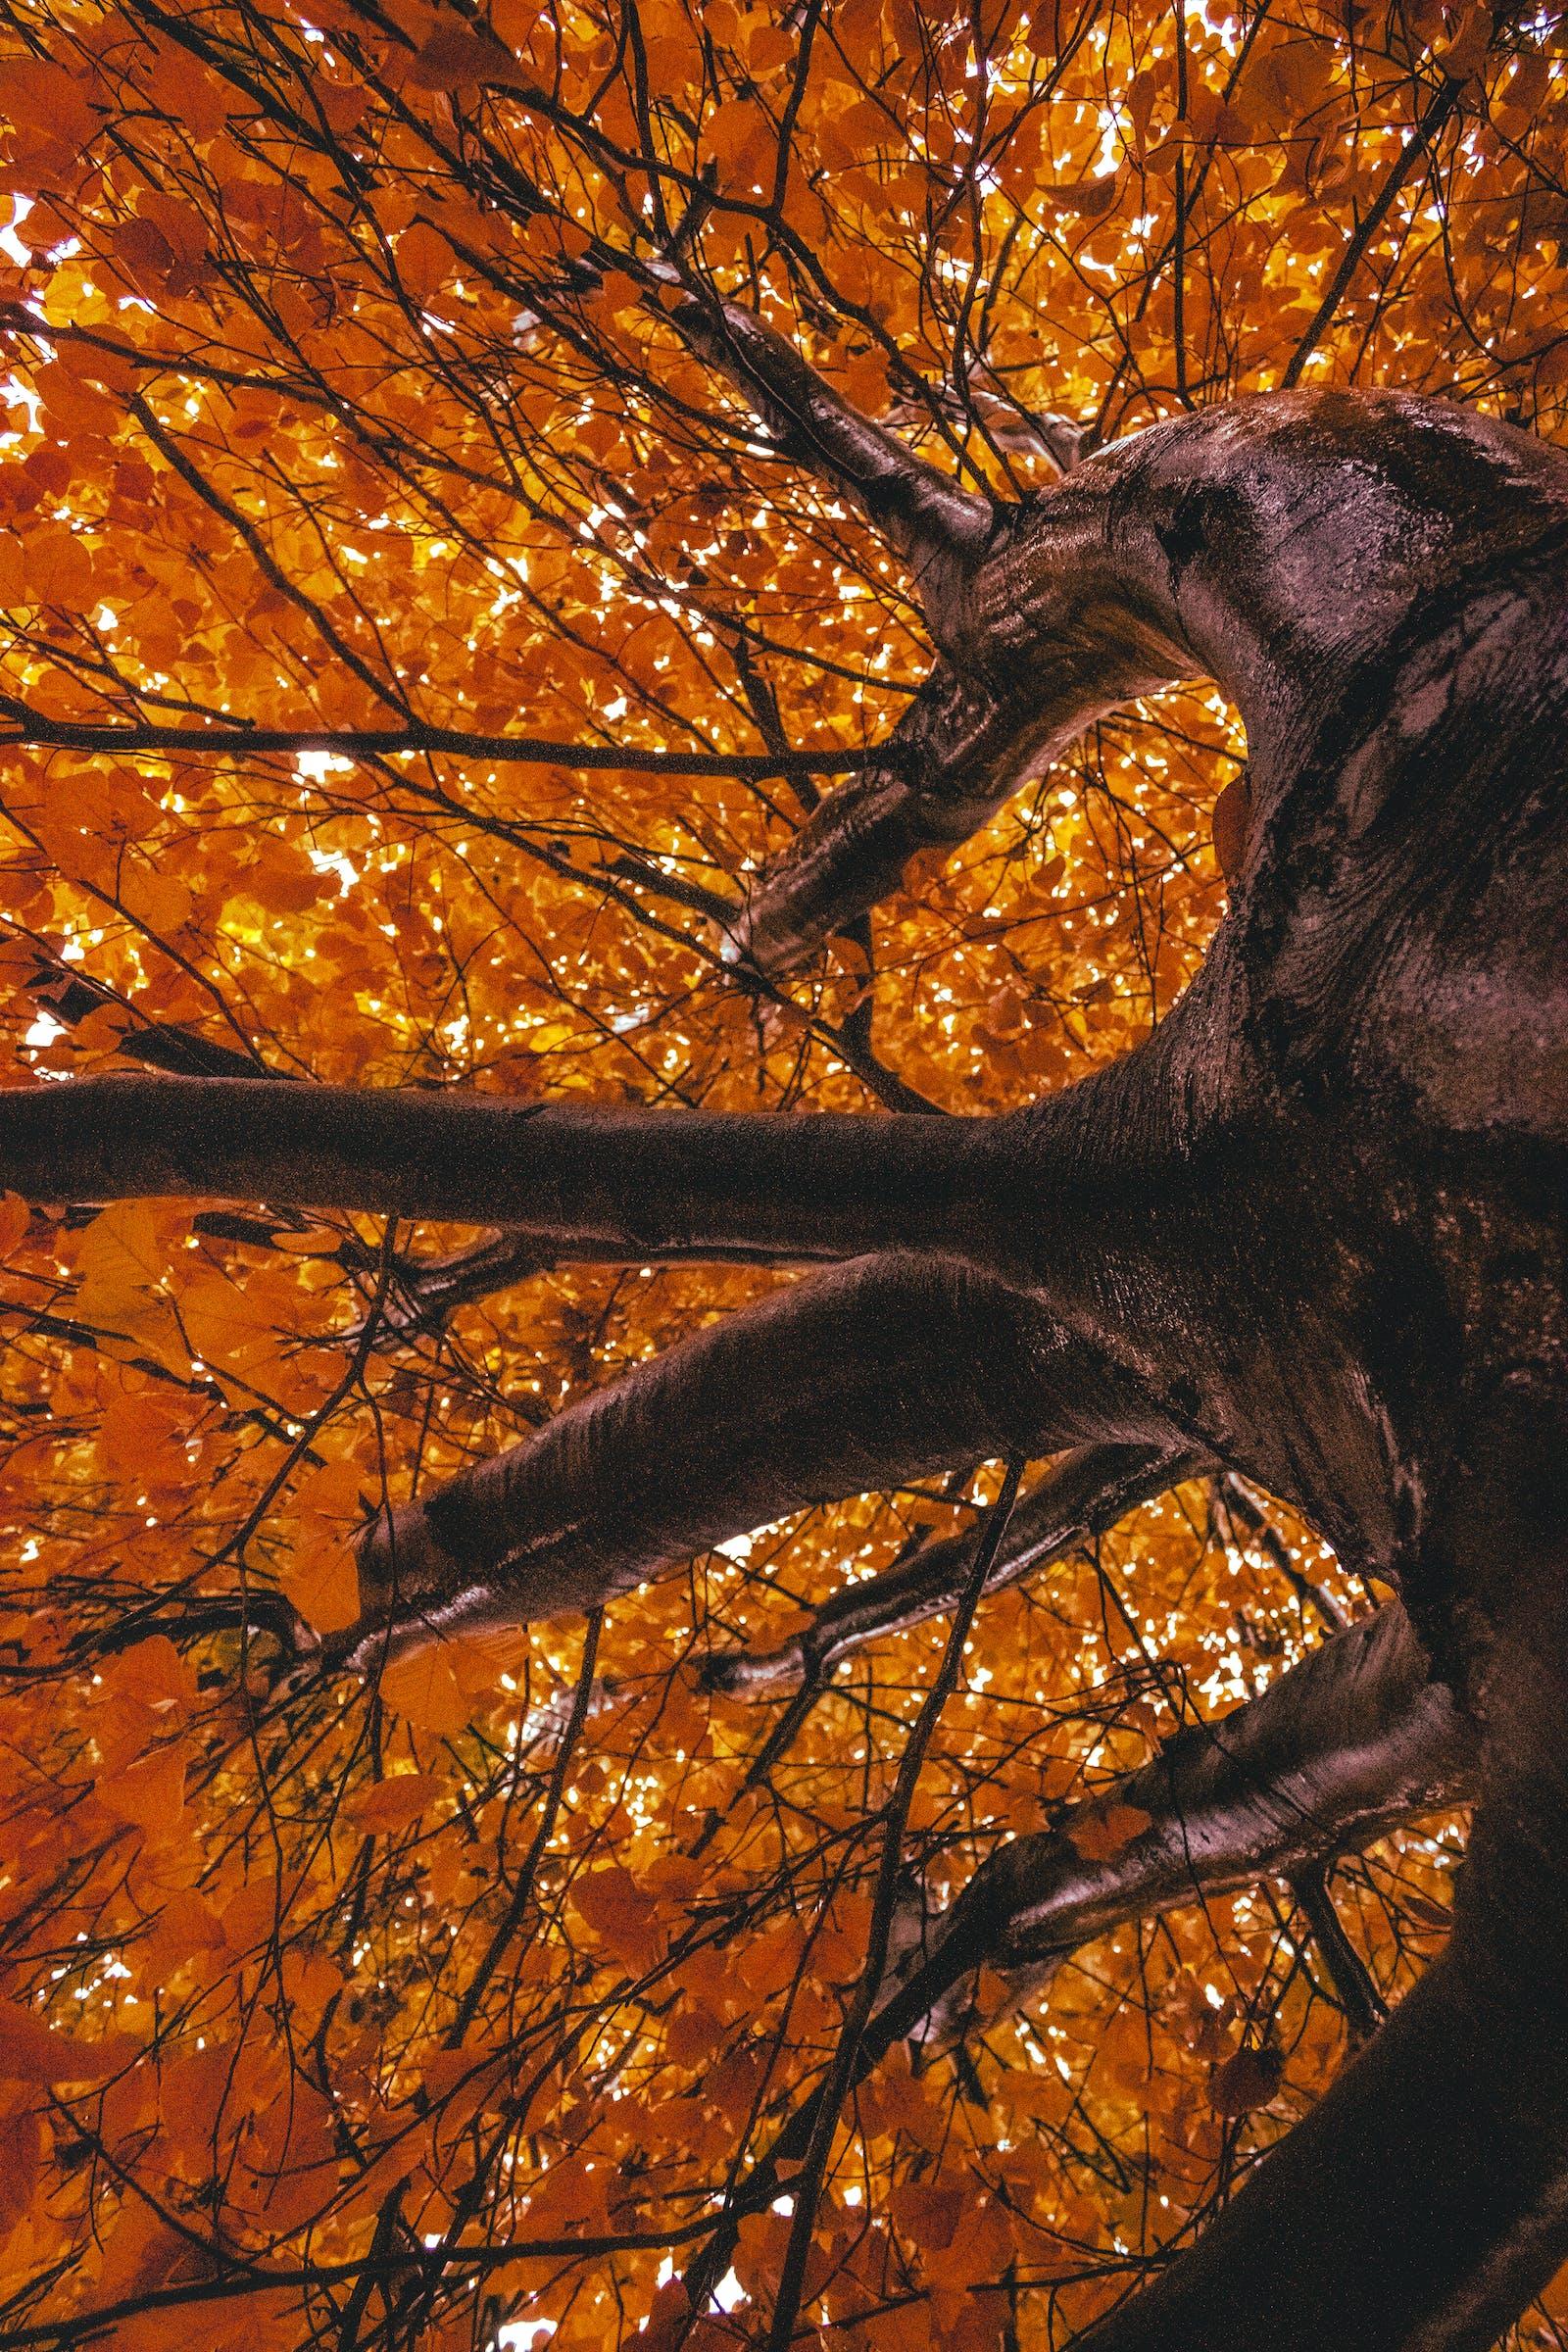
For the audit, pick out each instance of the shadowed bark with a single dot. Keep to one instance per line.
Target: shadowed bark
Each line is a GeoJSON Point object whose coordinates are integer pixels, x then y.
{"type": "Point", "coordinates": [599, 1183]}
{"type": "Point", "coordinates": [1352, 1741]}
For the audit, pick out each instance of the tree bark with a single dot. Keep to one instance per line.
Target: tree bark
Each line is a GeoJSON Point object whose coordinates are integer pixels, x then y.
{"type": "Point", "coordinates": [1222, 545]}
{"type": "Point", "coordinates": [884, 1370]}
{"type": "Point", "coordinates": [1354, 1741]}
{"type": "Point", "coordinates": [599, 1182]}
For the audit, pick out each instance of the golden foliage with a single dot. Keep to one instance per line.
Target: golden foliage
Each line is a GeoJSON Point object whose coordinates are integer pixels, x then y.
{"type": "Point", "coordinates": [342, 398]}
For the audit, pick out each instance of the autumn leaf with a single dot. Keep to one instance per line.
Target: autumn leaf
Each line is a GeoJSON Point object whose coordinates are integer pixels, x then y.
{"type": "Point", "coordinates": [427, 1690]}
{"type": "Point", "coordinates": [1099, 1836]}
{"type": "Point", "coordinates": [1245, 2081]}
{"type": "Point", "coordinates": [455, 56]}
{"type": "Point", "coordinates": [122, 1264]}
{"type": "Point", "coordinates": [393, 1803]}
{"type": "Point", "coordinates": [619, 1914]}
{"type": "Point", "coordinates": [21, 2143]}
{"type": "Point", "coordinates": [31, 2050]}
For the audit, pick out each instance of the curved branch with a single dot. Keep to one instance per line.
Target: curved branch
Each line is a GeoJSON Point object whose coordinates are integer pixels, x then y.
{"type": "Point", "coordinates": [1354, 1740]}
{"type": "Point", "coordinates": [1275, 545]}
{"type": "Point", "coordinates": [884, 1370]}
{"type": "Point", "coordinates": [1079, 1498]}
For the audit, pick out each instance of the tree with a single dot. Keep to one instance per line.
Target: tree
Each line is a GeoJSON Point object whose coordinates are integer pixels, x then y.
{"type": "Point", "coordinates": [610, 714]}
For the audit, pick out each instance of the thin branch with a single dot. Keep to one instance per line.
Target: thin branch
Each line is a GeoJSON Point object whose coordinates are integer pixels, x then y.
{"type": "Point", "coordinates": [29, 729]}
{"type": "Point", "coordinates": [1363, 2005]}
{"type": "Point", "coordinates": [1431, 121]}
{"type": "Point", "coordinates": [1079, 1498]}
{"type": "Point", "coordinates": [1240, 1508]}
{"type": "Point", "coordinates": [835, 2089]}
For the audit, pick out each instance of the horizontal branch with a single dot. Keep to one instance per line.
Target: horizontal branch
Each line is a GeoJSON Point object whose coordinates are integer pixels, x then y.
{"type": "Point", "coordinates": [618, 1185]}
{"type": "Point", "coordinates": [30, 730]}
{"type": "Point", "coordinates": [1079, 1498]}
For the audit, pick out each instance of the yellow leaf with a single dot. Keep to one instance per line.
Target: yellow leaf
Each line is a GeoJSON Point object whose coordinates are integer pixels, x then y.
{"type": "Point", "coordinates": [121, 1259]}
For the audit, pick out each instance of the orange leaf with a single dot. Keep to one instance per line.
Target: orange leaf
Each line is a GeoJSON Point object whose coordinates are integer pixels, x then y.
{"type": "Point", "coordinates": [32, 2051]}
{"type": "Point", "coordinates": [425, 1688]}
{"type": "Point", "coordinates": [150, 1795]}
{"type": "Point", "coordinates": [1099, 1836]}
{"type": "Point", "coordinates": [391, 1804]}
{"type": "Point", "coordinates": [457, 56]}
{"type": "Point", "coordinates": [619, 1913]}
{"type": "Point", "coordinates": [20, 2154]}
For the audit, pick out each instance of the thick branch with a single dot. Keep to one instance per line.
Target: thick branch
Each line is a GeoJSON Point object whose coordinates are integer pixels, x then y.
{"type": "Point", "coordinates": [1354, 1741]}
{"type": "Point", "coordinates": [888, 1369]}
{"type": "Point", "coordinates": [610, 1184]}
{"type": "Point", "coordinates": [1079, 1498]}
{"type": "Point", "coordinates": [1268, 544]}
{"type": "Point", "coordinates": [1425, 2199]}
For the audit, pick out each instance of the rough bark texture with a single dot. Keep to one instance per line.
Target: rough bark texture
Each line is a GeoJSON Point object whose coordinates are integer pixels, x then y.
{"type": "Point", "coordinates": [1313, 1231]}
{"type": "Point", "coordinates": [887, 1369]}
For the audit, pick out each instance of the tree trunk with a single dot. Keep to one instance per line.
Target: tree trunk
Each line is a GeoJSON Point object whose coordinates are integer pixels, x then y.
{"type": "Point", "coordinates": [1313, 1231]}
